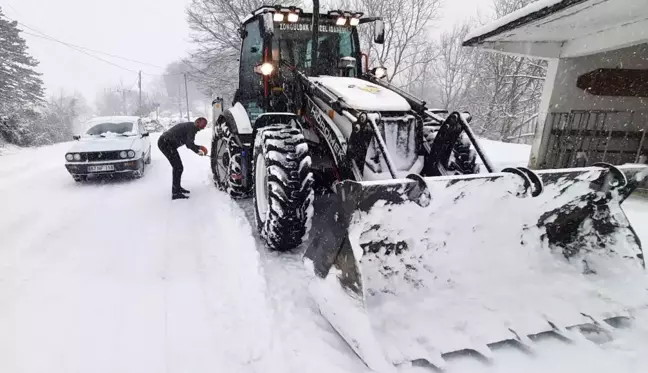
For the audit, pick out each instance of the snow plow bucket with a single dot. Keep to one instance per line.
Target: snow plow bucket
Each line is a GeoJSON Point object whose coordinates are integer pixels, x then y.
{"type": "Point", "coordinates": [418, 270]}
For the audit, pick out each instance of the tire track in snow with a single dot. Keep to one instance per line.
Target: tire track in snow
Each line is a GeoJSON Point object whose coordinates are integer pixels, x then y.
{"type": "Point", "coordinates": [213, 275]}
{"type": "Point", "coordinates": [308, 341]}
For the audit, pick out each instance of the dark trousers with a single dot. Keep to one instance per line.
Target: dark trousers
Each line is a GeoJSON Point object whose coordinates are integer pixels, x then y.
{"type": "Point", "coordinates": [171, 152]}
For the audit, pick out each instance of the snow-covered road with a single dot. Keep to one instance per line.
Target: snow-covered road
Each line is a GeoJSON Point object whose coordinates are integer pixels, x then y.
{"type": "Point", "coordinates": [115, 277]}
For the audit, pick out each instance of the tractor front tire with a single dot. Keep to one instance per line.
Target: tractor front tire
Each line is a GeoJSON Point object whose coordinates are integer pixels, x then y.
{"type": "Point", "coordinates": [226, 164]}
{"type": "Point", "coordinates": [283, 187]}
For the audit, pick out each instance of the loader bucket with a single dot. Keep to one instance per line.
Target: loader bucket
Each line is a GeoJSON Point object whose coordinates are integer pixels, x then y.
{"type": "Point", "coordinates": [418, 270]}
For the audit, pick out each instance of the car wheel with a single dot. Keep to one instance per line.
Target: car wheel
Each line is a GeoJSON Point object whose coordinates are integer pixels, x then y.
{"type": "Point", "coordinates": [148, 158]}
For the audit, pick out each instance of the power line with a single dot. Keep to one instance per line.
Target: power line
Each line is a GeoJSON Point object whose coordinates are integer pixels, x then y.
{"type": "Point", "coordinates": [80, 50]}
{"type": "Point", "coordinates": [86, 51]}
{"type": "Point", "coordinates": [86, 48]}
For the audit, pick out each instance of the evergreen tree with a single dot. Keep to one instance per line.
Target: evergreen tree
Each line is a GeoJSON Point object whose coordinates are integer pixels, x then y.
{"type": "Point", "coordinates": [20, 85]}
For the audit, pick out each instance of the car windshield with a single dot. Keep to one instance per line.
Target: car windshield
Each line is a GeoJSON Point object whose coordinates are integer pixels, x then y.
{"type": "Point", "coordinates": [110, 128]}
{"type": "Point", "coordinates": [295, 43]}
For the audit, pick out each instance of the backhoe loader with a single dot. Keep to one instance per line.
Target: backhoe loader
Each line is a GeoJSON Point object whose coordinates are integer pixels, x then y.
{"type": "Point", "coordinates": [423, 250]}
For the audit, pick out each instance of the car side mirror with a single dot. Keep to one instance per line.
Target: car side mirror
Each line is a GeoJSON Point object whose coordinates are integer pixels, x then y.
{"type": "Point", "coordinates": [76, 137]}
{"type": "Point", "coordinates": [379, 32]}
{"type": "Point", "coordinates": [145, 134]}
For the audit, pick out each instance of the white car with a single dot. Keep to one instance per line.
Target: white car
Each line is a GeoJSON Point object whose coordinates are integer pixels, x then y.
{"type": "Point", "coordinates": [110, 145]}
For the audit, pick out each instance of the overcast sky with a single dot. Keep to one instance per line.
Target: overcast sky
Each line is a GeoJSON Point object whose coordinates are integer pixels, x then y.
{"type": "Point", "coordinates": [150, 31]}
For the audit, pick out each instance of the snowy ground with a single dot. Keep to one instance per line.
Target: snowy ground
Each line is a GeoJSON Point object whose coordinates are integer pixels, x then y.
{"type": "Point", "coordinates": [115, 277]}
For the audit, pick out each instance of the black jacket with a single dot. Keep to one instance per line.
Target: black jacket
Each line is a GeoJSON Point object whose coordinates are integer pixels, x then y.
{"type": "Point", "coordinates": [182, 134]}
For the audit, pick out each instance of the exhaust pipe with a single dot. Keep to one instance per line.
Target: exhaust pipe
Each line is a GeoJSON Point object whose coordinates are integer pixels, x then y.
{"type": "Point", "coordinates": [315, 44]}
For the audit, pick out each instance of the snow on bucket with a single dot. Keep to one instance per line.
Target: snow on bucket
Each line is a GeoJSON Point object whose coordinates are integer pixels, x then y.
{"type": "Point", "coordinates": [477, 261]}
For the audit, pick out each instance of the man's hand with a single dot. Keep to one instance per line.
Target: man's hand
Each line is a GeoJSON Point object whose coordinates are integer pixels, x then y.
{"type": "Point", "coordinates": [202, 151]}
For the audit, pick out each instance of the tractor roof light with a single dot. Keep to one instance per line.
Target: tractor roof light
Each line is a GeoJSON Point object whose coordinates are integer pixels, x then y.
{"type": "Point", "coordinates": [341, 21]}
{"type": "Point", "coordinates": [278, 17]}
{"type": "Point", "coordinates": [293, 17]}
{"type": "Point", "coordinates": [354, 21]}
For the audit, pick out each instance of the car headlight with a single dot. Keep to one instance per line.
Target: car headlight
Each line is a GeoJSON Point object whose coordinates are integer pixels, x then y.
{"type": "Point", "coordinates": [69, 156]}
{"type": "Point", "coordinates": [122, 154]}
{"type": "Point", "coordinates": [131, 154]}
{"type": "Point", "coordinates": [77, 157]}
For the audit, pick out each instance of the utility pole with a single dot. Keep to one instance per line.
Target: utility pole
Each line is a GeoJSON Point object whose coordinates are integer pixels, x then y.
{"type": "Point", "coordinates": [139, 84]}
{"type": "Point", "coordinates": [187, 96]}
{"type": "Point", "coordinates": [124, 101]}
{"type": "Point", "coordinates": [180, 100]}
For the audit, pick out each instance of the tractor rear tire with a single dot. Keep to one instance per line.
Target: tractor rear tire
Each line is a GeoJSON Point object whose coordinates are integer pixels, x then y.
{"type": "Point", "coordinates": [283, 187]}
{"type": "Point", "coordinates": [226, 164]}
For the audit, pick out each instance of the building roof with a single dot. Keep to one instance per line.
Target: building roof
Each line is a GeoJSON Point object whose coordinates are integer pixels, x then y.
{"type": "Point", "coordinates": [565, 28]}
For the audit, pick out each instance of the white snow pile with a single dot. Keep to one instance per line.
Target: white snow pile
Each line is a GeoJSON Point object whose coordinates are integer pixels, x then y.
{"type": "Point", "coordinates": [478, 270]}
{"type": "Point", "coordinates": [6, 149]}
{"type": "Point", "coordinates": [504, 155]}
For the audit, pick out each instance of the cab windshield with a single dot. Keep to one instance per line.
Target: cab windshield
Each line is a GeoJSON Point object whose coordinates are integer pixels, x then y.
{"type": "Point", "coordinates": [335, 43]}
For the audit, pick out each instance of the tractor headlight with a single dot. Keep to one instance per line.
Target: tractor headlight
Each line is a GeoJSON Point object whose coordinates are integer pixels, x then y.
{"type": "Point", "coordinates": [122, 154]}
{"type": "Point", "coordinates": [355, 21]}
{"type": "Point", "coordinates": [341, 21]}
{"type": "Point", "coordinates": [278, 17]}
{"type": "Point", "coordinates": [69, 156]}
{"type": "Point", "coordinates": [131, 154]}
{"type": "Point", "coordinates": [77, 157]}
{"type": "Point", "coordinates": [293, 17]}
{"type": "Point", "coordinates": [265, 69]}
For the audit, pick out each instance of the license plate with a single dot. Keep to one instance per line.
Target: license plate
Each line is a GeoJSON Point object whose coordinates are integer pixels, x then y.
{"type": "Point", "coordinates": [101, 168]}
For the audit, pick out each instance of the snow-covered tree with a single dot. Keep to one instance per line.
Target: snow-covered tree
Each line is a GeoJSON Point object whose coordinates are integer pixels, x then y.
{"type": "Point", "coordinates": [21, 89]}
{"type": "Point", "coordinates": [454, 73]}
{"type": "Point", "coordinates": [502, 91]}
{"type": "Point", "coordinates": [20, 85]}
{"type": "Point", "coordinates": [61, 116]}
{"type": "Point", "coordinates": [215, 33]}
{"type": "Point", "coordinates": [408, 47]}
{"type": "Point", "coordinates": [507, 90]}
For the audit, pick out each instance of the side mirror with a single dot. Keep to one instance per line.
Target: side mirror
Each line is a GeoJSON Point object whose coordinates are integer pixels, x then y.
{"type": "Point", "coordinates": [76, 137]}
{"type": "Point", "coordinates": [379, 32]}
{"type": "Point", "coordinates": [145, 134]}
{"type": "Point", "coordinates": [267, 26]}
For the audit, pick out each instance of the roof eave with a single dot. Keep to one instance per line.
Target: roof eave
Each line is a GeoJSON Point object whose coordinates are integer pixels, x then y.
{"type": "Point", "coordinates": [539, 14]}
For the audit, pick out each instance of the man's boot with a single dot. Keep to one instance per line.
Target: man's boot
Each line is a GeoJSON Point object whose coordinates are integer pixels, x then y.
{"type": "Point", "coordinates": [175, 196]}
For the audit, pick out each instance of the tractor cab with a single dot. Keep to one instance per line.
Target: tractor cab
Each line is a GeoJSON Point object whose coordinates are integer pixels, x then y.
{"type": "Point", "coordinates": [280, 40]}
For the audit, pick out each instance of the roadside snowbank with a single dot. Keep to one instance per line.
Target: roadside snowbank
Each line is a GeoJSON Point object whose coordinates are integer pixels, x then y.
{"type": "Point", "coordinates": [6, 149]}
{"type": "Point", "coordinates": [504, 155]}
